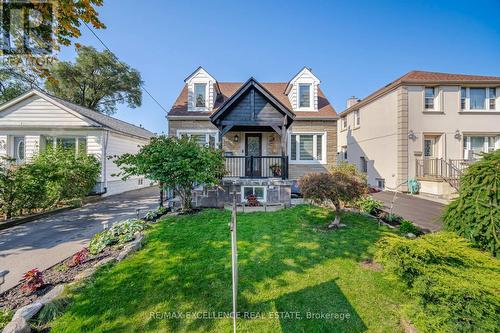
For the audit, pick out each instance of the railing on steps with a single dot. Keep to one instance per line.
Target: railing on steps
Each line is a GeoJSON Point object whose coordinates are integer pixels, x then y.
{"type": "Point", "coordinates": [449, 171]}
{"type": "Point", "coordinates": [257, 166]}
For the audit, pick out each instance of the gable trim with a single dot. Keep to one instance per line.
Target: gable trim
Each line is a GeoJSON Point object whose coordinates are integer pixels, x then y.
{"type": "Point", "coordinates": [248, 85]}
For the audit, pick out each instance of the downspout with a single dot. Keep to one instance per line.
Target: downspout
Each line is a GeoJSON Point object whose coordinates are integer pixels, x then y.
{"type": "Point", "coordinates": [104, 161]}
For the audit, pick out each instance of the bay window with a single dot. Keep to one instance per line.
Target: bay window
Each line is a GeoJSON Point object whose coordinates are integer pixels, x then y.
{"type": "Point", "coordinates": [307, 148]}
{"type": "Point", "coordinates": [475, 145]}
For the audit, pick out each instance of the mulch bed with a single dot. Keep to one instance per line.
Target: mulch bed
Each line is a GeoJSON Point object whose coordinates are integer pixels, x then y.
{"type": "Point", "coordinates": [370, 264]}
{"type": "Point", "coordinates": [16, 297]}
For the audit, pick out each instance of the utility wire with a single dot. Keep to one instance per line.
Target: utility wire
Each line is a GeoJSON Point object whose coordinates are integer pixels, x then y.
{"type": "Point", "coordinates": [107, 48]}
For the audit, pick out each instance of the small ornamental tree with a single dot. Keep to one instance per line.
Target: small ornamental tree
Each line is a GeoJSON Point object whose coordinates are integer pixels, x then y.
{"type": "Point", "coordinates": [177, 163]}
{"type": "Point", "coordinates": [342, 185]}
{"type": "Point", "coordinates": [475, 214]}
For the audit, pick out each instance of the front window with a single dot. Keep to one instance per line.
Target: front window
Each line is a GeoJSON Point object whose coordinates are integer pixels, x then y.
{"type": "Point", "coordinates": [477, 98]}
{"type": "Point", "coordinates": [76, 144]}
{"type": "Point", "coordinates": [202, 138]}
{"type": "Point", "coordinates": [304, 95]}
{"type": "Point", "coordinates": [307, 147]}
{"type": "Point", "coordinates": [475, 145]}
{"type": "Point", "coordinates": [199, 94]}
{"type": "Point", "coordinates": [492, 96]}
{"type": "Point", "coordinates": [429, 98]}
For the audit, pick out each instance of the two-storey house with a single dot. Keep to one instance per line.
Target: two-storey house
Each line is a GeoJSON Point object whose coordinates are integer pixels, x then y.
{"type": "Point", "coordinates": [424, 125]}
{"type": "Point", "coordinates": [271, 133]}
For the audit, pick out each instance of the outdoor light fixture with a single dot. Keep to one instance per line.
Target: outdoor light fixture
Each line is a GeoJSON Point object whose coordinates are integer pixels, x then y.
{"type": "Point", "coordinates": [411, 135]}
{"type": "Point", "coordinates": [236, 138]}
{"type": "Point", "coordinates": [457, 135]}
{"type": "Point", "coordinates": [271, 139]}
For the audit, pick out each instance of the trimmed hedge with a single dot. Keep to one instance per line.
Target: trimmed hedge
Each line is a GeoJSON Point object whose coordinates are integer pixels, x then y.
{"type": "Point", "coordinates": [455, 287]}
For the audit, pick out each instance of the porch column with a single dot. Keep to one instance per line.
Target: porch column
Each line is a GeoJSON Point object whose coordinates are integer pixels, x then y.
{"type": "Point", "coordinates": [284, 140]}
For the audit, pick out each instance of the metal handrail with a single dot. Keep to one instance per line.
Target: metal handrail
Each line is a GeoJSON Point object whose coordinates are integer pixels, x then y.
{"type": "Point", "coordinates": [257, 166]}
{"type": "Point", "coordinates": [450, 171]}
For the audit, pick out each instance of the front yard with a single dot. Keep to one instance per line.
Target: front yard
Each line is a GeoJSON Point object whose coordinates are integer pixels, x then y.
{"type": "Point", "coordinates": [289, 270]}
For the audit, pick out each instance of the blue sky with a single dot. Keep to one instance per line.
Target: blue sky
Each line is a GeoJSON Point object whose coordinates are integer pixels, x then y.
{"type": "Point", "coordinates": [354, 47]}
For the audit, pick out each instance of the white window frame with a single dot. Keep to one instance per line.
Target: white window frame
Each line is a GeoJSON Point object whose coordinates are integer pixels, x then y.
{"type": "Point", "coordinates": [315, 147]}
{"type": "Point", "coordinates": [189, 132]}
{"type": "Point", "coordinates": [311, 94]}
{"type": "Point", "coordinates": [357, 118]}
{"type": "Point", "coordinates": [76, 137]}
{"type": "Point", "coordinates": [194, 95]}
{"type": "Point", "coordinates": [343, 123]}
{"type": "Point", "coordinates": [435, 93]}
{"type": "Point", "coordinates": [486, 102]}
{"type": "Point", "coordinates": [467, 143]}
{"type": "Point", "coordinates": [244, 199]}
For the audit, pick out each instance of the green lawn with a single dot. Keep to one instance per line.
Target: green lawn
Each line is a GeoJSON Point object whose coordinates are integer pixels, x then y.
{"type": "Point", "coordinates": [287, 269]}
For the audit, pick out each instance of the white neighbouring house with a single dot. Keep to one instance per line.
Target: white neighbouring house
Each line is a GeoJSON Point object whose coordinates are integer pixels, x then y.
{"type": "Point", "coordinates": [424, 125]}
{"type": "Point", "coordinates": [35, 119]}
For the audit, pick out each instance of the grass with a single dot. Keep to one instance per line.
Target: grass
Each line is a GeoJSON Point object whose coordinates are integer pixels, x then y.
{"type": "Point", "coordinates": [288, 267]}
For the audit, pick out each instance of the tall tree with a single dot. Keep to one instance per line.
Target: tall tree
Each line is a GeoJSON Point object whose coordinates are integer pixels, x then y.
{"type": "Point", "coordinates": [97, 80]}
{"type": "Point", "coordinates": [10, 87]}
{"type": "Point", "coordinates": [61, 26]}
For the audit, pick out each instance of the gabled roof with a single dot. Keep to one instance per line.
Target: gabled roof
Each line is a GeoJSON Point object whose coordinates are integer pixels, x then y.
{"type": "Point", "coordinates": [245, 87]}
{"type": "Point", "coordinates": [95, 118]}
{"type": "Point", "coordinates": [277, 89]}
{"type": "Point", "coordinates": [304, 69]}
{"type": "Point", "coordinates": [423, 77]}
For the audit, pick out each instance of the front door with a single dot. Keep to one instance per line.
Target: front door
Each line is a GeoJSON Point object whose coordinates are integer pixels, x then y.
{"type": "Point", "coordinates": [430, 161]}
{"type": "Point", "coordinates": [253, 151]}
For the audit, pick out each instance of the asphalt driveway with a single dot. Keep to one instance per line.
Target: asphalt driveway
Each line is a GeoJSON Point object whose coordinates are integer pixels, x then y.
{"type": "Point", "coordinates": [424, 213]}
{"type": "Point", "coordinates": [44, 242]}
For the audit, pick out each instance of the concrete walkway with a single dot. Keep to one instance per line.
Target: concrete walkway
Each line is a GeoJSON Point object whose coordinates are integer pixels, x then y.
{"type": "Point", "coordinates": [44, 242]}
{"type": "Point", "coordinates": [424, 213]}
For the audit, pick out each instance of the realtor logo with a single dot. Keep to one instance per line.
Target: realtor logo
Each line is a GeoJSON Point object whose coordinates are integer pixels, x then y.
{"type": "Point", "coordinates": [26, 27]}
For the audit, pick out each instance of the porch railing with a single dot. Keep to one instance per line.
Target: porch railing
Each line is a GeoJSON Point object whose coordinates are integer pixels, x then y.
{"type": "Point", "coordinates": [447, 170]}
{"type": "Point", "coordinates": [257, 166]}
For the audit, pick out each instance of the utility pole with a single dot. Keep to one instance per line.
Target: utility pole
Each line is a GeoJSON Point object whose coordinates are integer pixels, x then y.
{"type": "Point", "coordinates": [234, 260]}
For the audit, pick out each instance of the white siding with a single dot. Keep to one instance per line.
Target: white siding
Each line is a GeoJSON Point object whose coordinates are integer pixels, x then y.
{"type": "Point", "coordinates": [119, 145]}
{"type": "Point", "coordinates": [32, 146]}
{"type": "Point", "coordinates": [35, 111]}
{"type": "Point", "coordinates": [201, 76]}
{"type": "Point", "coordinates": [3, 145]}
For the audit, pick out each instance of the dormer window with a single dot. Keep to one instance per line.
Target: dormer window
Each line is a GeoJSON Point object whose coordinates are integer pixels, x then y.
{"type": "Point", "coordinates": [200, 94]}
{"type": "Point", "coordinates": [304, 95]}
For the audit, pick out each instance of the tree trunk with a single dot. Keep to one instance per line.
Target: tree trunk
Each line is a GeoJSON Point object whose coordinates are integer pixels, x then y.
{"type": "Point", "coordinates": [185, 194]}
{"type": "Point", "coordinates": [161, 194]}
{"type": "Point", "coordinates": [336, 222]}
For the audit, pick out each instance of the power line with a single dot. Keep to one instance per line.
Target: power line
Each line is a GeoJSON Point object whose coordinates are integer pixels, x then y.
{"type": "Point", "coordinates": [107, 48]}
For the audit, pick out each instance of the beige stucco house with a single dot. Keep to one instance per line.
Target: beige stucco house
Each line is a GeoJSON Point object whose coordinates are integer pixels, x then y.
{"type": "Point", "coordinates": [424, 125]}
{"type": "Point", "coordinates": [35, 120]}
{"type": "Point", "coordinates": [271, 133]}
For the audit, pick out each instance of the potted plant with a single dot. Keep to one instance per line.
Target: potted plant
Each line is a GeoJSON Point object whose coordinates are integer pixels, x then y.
{"type": "Point", "coordinates": [252, 200]}
{"type": "Point", "coordinates": [275, 169]}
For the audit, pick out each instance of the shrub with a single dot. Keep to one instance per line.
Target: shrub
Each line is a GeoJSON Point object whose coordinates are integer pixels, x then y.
{"type": "Point", "coordinates": [407, 227]}
{"type": "Point", "coordinates": [52, 310]}
{"type": "Point", "coordinates": [474, 214]}
{"type": "Point", "coordinates": [5, 317]}
{"type": "Point", "coordinates": [79, 257]}
{"type": "Point", "coordinates": [120, 232]}
{"type": "Point", "coordinates": [154, 214]}
{"type": "Point", "coordinates": [32, 280]}
{"type": "Point", "coordinates": [368, 204]}
{"type": "Point", "coordinates": [342, 185]}
{"type": "Point", "coordinates": [454, 286]}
